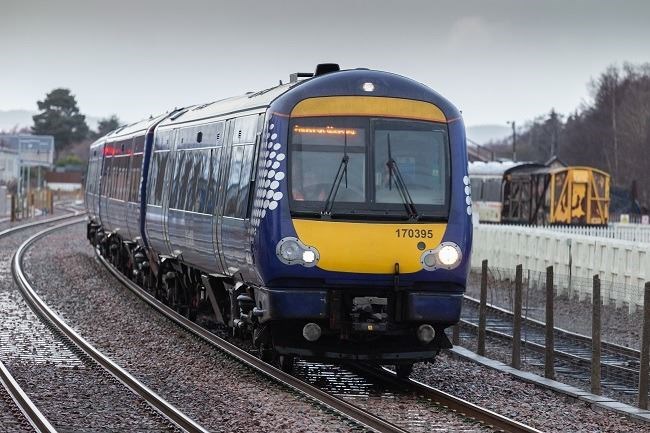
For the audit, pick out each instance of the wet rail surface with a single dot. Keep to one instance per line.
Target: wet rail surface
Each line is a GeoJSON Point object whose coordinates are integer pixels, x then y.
{"type": "Point", "coordinates": [387, 408]}
{"type": "Point", "coordinates": [73, 393]}
{"type": "Point", "coordinates": [619, 364]}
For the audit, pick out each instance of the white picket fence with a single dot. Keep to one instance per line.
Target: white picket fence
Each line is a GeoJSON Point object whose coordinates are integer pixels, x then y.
{"type": "Point", "coordinates": [623, 265]}
{"type": "Point", "coordinates": [625, 232]}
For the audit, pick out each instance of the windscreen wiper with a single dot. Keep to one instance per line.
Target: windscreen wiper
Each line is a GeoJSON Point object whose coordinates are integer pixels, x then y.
{"type": "Point", "coordinates": [393, 169]}
{"type": "Point", "coordinates": [341, 173]}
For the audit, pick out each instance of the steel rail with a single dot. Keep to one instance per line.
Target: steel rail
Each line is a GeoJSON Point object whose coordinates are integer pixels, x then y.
{"type": "Point", "coordinates": [178, 418]}
{"type": "Point", "coordinates": [333, 402]}
{"type": "Point", "coordinates": [459, 405]}
{"type": "Point", "coordinates": [26, 406]}
{"type": "Point", "coordinates": [29, 410]}
{"type": "Point", "coordinates": [611, 349]}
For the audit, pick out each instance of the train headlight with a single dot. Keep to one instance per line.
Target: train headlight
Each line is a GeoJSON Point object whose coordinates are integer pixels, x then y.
{"type": "Point", "coordinates": [291, 251]}
{"type": "Point", "coordinates": [449, 255]}
{"type": "Point", "coordinates": [446, 256]}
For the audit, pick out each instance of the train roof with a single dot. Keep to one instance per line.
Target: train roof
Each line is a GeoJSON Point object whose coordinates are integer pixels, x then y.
{"type": "Point", "coordinates": [235, 104]}
{"type": "Point", "coordinates": [135, 128]}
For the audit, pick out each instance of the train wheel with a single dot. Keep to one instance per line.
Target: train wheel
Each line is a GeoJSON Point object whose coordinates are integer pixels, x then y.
{"type": "Point", "coordinates": [404, 370]}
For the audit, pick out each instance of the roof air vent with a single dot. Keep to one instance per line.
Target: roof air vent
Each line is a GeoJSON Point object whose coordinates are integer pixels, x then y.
{"type": "Point", "coordinates": [326, 68]}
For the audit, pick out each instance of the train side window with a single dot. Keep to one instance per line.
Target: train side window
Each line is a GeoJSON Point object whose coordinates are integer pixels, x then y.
{"type": "Point", "coordinates": [153, 176]}
{"type": "Point", "coordinates": [136, 171]}
{"type": "Point", "coordinates": [163, 162]}
{"type": "Point", "coordinates": [192, 165]}
{"type": "Point", "coordinates": [213, 187]}
{"type": "Point", "coordinates": [232, 185]}
{"type": "Point", "coordinates": [245, 181]}
{"type": "Point", "coordinates": [203, 182]}
{"type": "Point", "coordinates": [193, 203]}
{"type": "Point", "coordinates": [176, 174]}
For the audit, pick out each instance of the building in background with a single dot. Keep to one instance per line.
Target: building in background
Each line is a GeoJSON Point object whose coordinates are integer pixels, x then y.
{"type": "Point", "coordinates": [31, 153]}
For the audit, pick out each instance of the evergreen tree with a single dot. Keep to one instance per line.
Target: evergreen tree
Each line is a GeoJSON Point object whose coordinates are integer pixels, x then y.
{"type": "Point", "coordinates": [60, 118]}
{"type": "Point", "coordinates": [104, 126]}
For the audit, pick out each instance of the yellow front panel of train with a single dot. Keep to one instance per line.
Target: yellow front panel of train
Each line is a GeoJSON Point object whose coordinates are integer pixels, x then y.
{"type": "Point", "coordinates": [369, 248]}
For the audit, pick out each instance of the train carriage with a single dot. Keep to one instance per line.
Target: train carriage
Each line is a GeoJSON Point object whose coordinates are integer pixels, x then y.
{"type": "Point", "coordinates": [326, 217]}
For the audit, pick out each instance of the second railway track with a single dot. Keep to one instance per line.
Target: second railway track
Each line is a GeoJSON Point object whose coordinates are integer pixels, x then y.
{"type": "Point", "coordinates": [619, 364]}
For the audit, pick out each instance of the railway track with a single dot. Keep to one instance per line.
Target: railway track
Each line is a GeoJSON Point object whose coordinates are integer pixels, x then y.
{"type": "Point", "coordinates": [619, 364]}
{"type": "Point", "coordinates": [475, 417]}
{"type": "Point", "coordinates": [18, 410]}
{"type": "Point", "coordinates": [167, 417]}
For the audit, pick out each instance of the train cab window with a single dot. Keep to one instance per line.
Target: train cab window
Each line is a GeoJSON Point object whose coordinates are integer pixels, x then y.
{"type": "Point", "coordinates": [419, 151]}
{"type": "Point", "coordinates": [371, 156]}
{"type": "Point", "coordinates": [245, 181]}
{"type": "Point", "coordinates": [319, 147]}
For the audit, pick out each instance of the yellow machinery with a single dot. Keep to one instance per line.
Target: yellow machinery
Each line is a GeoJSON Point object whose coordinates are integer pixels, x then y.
{"type": "Point", "coordinates": [536, 194]}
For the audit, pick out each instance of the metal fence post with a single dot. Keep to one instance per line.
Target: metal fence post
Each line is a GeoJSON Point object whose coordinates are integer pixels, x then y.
{"type": "Point", "coordinates": [595, 338]}
{"type": "Point", "coordinates": [549, 368]}
{"type": "Point", "coordinates": [516, 325]}
{"type": "Point", "coordinates": [645, 350]}
{"type": "Point", "coordinates": [13, 207]}
{"type": "Point", "coordinates": [482, 311]}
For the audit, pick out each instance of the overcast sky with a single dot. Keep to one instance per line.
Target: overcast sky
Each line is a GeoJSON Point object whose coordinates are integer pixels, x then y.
{"type": "Point", "coordinates": [496, 60]}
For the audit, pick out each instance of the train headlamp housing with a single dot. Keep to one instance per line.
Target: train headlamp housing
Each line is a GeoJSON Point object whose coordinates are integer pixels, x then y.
{"type": "Point", "coordinates": [447, 255]}
{"type": "Point", "coordinates": [291, 251]}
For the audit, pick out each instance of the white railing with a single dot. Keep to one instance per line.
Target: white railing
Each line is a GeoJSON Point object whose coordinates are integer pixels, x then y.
{"type": "Point", "coordinates": [623, 264]}
{"type": "Point", "coordinates": [625, 232]}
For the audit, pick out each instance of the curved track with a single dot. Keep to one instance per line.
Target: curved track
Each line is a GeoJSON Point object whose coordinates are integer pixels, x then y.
{"type": "Point", "coordinates": [620, 365]}
{"type": "Point", "coordinates": [180, 420]}
{"type": "Point", "coordinates": [23, 403]}
{"type": "Point", "coordinates": [463, 408]}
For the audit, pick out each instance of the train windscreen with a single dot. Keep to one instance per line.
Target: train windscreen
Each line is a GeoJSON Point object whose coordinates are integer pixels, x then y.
{"type": "Point", "coordinates": [355, 166]}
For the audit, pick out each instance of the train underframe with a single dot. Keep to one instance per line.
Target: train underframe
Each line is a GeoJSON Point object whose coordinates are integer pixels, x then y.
{"type": "Point", "coordinates": [378, 326]}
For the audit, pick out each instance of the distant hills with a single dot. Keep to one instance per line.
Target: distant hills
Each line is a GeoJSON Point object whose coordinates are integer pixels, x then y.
{"type": "Point", "coordinates": [10, 119]}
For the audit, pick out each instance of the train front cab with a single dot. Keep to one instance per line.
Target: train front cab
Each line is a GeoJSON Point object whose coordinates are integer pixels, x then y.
{"type": "Point", "coordinates": [372, 242]}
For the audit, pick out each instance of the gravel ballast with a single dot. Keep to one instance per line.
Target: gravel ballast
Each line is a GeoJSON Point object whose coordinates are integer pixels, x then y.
{"type": "Point", "coordinates": [213, 389]}
{"type": "Point", "coordinates": [224, 396]}
{"type": "Point", "coordinates": [71, 392]}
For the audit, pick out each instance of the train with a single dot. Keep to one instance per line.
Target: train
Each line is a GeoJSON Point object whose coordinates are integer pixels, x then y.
{"type": "Point", "coordinates": [328, 217]}
{"type": "Point", "coordinates": [539, 194]}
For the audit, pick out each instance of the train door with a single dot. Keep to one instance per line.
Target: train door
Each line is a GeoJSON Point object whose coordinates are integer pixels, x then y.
{"type": "Point", "coordinates": [172, 169]}
{"type": "Point", "coordinates": [579, 196]}
{"type": "Point", "coordinates": [232, 238]}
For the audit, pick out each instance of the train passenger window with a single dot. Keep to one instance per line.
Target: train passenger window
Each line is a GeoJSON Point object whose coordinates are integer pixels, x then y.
{"type": "Point", "coordinates": [136, 169]}
{"type": "Point", "coordinates": [163, 162]}
{"type": "Point", "coordinates": [245, 181]}
{"type": "Point", "coordinates": [138, 145]}
{"type": "Point", "coordinates": [174, 197]}
{"type": "Point", "coordinates": [195, 167]}
{"type": "Point", "coordinates": [213, 188]}
{"type": "Point", "coordinates": [232, 185]}
{"type": "Point", "coordinates": [203, 182]}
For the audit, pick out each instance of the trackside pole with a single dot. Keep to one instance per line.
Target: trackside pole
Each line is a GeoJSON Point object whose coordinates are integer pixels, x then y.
{"type": "Point", "coordinates": [516, 323]}
{"type": "Point", "coordinates": [595, 338]}
{"type": "Point", "coordinates": [482, 311]}
{"type": "Point", "coordinates": [645, 350]}
{"type": "Point", "coordinates": [549, 368]}
{"type": "Point", "coordinates": [455, 334]}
